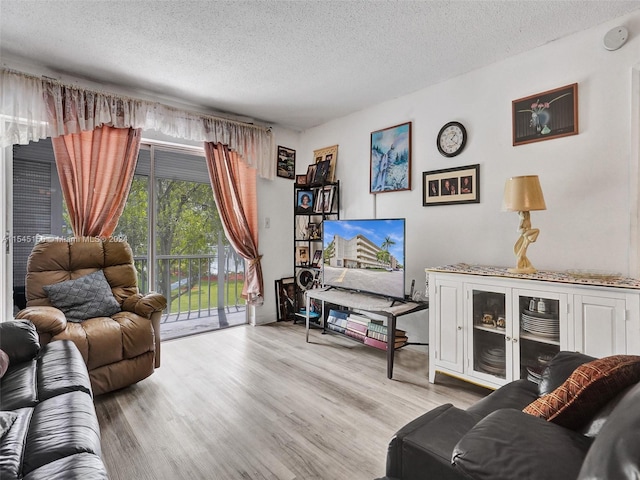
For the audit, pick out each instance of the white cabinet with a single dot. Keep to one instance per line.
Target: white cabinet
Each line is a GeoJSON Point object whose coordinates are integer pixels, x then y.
{"type": "Point", "coordinates": [492, 329]}
{"type": "Point", "coordinates": [446, 332]}
{"type": "Point", "coordinates": [599, 327]}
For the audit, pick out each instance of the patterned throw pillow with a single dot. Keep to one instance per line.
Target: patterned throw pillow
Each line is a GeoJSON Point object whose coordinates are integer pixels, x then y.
{"type": "Point", "coordinates": [589, 388]}
{"type": "Point", "coordinates": [85, 297]}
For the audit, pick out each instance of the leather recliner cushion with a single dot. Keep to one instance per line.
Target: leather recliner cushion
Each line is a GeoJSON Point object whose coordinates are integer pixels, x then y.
{"type": "Point", "coordinates": [61, 426]}
{"type": "Point", "coordinates": [85, 466]}
{"type": "Point", "coordinates": [559, 369]}
{"type": "Point", "coordinates": [510, 444]}
{"type": "Point", "coordinates": [517, 394]}
{"type": "Point", "coordinates": [426, 444]}
{"type": "Point", "coordinates": [19, 386]}
{"type": "Point", "coordinates": [61, 369]}
{"type": "Point", "coordinates": [103, 340]}
{"type": "Point", "coordinates": [615, 453]}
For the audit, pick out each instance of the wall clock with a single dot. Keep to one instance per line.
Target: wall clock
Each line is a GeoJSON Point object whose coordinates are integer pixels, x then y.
{"type": "Point", "coordinates": [451, 139]}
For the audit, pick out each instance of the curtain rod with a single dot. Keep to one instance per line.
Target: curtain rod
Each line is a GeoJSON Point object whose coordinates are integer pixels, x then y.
{"type": "Point", "coordinates": [55, 81]}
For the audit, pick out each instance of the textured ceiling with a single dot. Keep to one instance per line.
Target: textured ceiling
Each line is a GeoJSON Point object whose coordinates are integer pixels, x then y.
{"type": "Point", "coordinates": [293, 63]}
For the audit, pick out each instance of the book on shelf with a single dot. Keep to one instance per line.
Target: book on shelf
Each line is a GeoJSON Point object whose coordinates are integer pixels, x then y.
{"type": "Point", "coordinates": [382, 345]}
{"type": "Point", "coordinates": [356, 327]}
{"type": "Point", "coordinates": [336, 328]}
{"type": "Point", "coordinates": [338, 319]}
{"type": "Point", "coordinates": [354, 334]}
{"type": "Point", "coordinates": [377, 327]}
{"type": "Point", "coordinates": [362, 320]}
{"type": "Point", "coordinates": [381, 329]}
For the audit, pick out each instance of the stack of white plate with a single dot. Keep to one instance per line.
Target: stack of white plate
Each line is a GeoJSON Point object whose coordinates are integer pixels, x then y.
{"type": "Point", "coordinates": [544, 325]}
{"type": "Point", "coordinates": [492, 360]}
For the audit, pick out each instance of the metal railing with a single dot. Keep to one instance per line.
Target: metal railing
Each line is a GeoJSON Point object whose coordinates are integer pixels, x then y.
{"type": "Point", "coordinates": [193, 285]}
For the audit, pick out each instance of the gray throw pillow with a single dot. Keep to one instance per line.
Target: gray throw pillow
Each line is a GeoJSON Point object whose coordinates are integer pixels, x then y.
{"type": "Point", "coordinates": [85, 297]}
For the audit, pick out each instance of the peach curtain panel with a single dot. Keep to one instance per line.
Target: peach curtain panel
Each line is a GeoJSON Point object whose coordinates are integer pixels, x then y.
{"type": "Point", "coordinates": [234, 189]}
{"type": "Point", "coordinates": [96, 169]}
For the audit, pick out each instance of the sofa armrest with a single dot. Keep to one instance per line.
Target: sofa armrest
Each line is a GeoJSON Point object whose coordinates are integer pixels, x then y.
{"type": "Point", "coordinates": [145, 305]}
{"type": "Point", "coordinates": [19, 340]}
{"type": "Point", "coordinates": [48, 320]}
{"type": "Point", "coordinates": [511, 444]}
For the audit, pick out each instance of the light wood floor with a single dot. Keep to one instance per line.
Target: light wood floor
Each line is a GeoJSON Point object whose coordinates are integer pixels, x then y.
{"type": "Point", "coordinates": [260, 403]}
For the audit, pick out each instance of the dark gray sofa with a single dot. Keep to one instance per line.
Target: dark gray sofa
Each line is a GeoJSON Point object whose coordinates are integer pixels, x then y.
{"type": "Point", "coordinates": [51, 431]}
{"type": "Point", "coordinates": [494, 439]}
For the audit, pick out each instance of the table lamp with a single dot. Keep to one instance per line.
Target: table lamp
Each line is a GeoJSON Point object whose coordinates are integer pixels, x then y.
{"type": "Point", "coordinates": [523, 194]}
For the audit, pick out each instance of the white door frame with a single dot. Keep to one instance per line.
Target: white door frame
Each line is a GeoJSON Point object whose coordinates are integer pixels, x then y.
{"type": "Point", "coordinates": [634, 176]}
{"type": "Point", "coordinates": [6, 220]}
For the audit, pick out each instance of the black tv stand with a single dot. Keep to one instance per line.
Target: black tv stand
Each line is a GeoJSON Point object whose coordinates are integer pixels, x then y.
{"type": "Point", "coordinates": [353, 301]}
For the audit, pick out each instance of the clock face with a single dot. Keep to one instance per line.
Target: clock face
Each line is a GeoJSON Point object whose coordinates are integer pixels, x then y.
{"type": "Point", "coordinates": [451, 139]}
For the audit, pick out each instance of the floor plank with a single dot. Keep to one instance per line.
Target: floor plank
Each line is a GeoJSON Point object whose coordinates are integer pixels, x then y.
{"type": "Point", "coordinates": [261, 403]}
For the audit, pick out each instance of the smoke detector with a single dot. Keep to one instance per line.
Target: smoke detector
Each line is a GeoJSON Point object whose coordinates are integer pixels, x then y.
{"type": "Point", "coordinates": [615, 38]}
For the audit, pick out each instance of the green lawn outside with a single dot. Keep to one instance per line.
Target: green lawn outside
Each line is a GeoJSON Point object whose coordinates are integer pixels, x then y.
{"type": "Point", "coordinates": [205, 295]}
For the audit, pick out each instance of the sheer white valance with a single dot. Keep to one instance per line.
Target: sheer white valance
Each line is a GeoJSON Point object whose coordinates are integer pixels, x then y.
{"type": "Point", "coordinates": [35, 108]}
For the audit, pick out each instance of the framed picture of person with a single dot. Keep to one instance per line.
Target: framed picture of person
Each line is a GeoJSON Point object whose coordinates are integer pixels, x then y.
{"type": "Point", "coordinates": [285, 298]}
{"type": "Point", "coordinates": [311, 173]}
{"type": "Point", "coordinates": [317, 258]}
{"type": "Point", "coordinates": [329, 154]}
{"type": "Point", "coordinates": [304, 201]}
{"type": "Point", "coordinates": [322, 172]}
{"type": "Point", "coordinates": [324, 199]}
{"type": "Point", "coordinates": [451, 186]}
{"type": "Point", "coordinates": [302, 255]}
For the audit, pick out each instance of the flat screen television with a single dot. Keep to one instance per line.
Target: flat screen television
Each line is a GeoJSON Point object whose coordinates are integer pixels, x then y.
{"type": "Point", "coordinates": [365, 255]}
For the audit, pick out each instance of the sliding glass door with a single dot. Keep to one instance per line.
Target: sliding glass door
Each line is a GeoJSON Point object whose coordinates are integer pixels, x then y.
{"type": "Point", "coordinates": [170, 220]}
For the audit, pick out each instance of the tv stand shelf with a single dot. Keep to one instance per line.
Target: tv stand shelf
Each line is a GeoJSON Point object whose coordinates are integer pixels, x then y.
{"type": "Point", "coordinates": [352, 301]}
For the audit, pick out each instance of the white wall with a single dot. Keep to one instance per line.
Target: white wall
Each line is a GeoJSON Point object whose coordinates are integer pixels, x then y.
{"type": "Point", "coordinates": [275, 201]}
{"type": "Point", "coordinates": [585, 178]}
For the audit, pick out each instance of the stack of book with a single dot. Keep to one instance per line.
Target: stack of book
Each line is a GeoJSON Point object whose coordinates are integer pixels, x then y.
{"type": "Point", "coordinates": [337, 321]}
{"type": "Point", "coordinates": [377, 336]}
{"type": "Point", "coordinates": [357, 327]}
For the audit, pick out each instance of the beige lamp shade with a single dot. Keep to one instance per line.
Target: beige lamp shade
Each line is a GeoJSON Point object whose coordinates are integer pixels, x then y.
{"type": "Point", "coordinates": [523, 194]}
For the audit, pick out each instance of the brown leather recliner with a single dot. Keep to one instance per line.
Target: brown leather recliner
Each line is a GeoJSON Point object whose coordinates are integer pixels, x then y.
{"type": "Point", "coordinates": [119, 350]}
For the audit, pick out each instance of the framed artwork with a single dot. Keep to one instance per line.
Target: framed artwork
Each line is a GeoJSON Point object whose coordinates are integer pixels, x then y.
{"type": "Point", "coordinates": [317, 257]}
{"type": "Point", "coordinates": [301, 179]}
{"type": "Point", "coordinates": [286, 163]}
{"type": "Point", "coordinates": [304, 201]}
{"type": "Point", "coordinates": [451, 186]}
{"type": "Point", "coordinates": [546, 115]}
{"type": "Point", "coordinates": [285, 298]}
{"type": "Point", "coordinates": [390, 169]}
{"type": "Point", "coordinates": [324, 199]}
{"type": "Point", "coordinates": [311, 173]}
{"type": "Point", "coordinates": [330, 154]}
{"type": "Point", "coordinates": [302, 255]}
{"type": "Point", "coordinates": [321, 174]}
{"type": "Point", "coordinates": [313, 231]}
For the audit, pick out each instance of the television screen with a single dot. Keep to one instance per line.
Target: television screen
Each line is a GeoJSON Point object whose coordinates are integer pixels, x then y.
{"type": "Point", "coordinates": [365, 255]}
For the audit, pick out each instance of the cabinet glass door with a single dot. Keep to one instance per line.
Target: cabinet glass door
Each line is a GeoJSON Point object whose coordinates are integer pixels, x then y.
{"type": "Point", "coordinates": [539, 318]}
{"type": "Point", "coordinates": [488, 315]}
